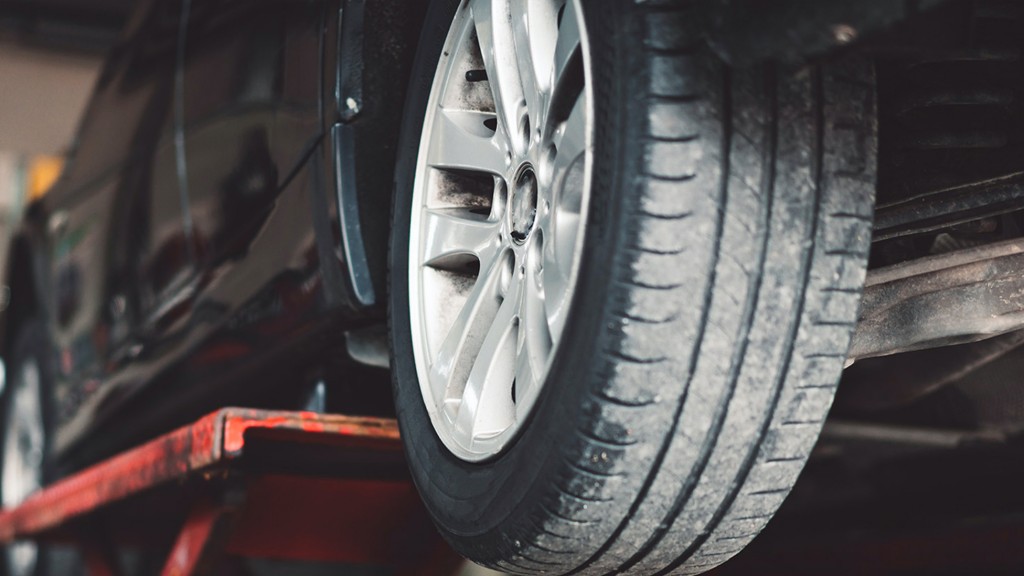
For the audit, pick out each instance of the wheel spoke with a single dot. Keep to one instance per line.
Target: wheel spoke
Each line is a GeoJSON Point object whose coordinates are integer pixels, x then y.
{"type": "Point", "coordinates": [535, 340]}
{"type": "Point", "coordinates": [570, 142]}
{"type": "Point", "coordinates": [450, 232]}
{"type": "Point", "coordinates": [525, 383]}
{"type": "Point", "coordinates": [563, 224]}
{"type": "Point", "coordinates": [486, 408]}
{"type": "Point", "coordinates": [449, 370]}
{"type": "Point", "coordinates": [558, 260]}
{"type": "Point", "coordinates": [533, 26]}
{"type": "Point", "coordinates": [494, 33]}
{"type": "Point", "coordinates": [567, 45]}
{"type": "Point", "coordinates": [461, 140]}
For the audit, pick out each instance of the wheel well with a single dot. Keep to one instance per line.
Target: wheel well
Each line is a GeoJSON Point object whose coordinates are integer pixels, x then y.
{"type": "Point", "coordinates": [390, 36]}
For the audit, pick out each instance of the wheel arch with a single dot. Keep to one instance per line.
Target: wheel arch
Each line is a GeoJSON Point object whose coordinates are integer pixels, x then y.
{"type": "Point", "coordinates": [369, 48]}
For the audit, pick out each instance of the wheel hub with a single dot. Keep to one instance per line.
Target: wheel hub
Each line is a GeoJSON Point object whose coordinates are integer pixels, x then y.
{"type": "Point", "coordinates": [523, 204]}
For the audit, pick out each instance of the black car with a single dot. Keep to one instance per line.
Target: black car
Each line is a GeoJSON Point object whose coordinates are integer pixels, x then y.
{"type": "Point", "coordinates": [606, 255]}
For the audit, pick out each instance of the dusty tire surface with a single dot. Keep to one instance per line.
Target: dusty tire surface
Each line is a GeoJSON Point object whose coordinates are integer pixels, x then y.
{"type": "Point", "coordinates": [721, 274]}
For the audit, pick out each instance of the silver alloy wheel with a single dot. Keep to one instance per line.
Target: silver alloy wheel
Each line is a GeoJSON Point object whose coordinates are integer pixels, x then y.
{"type": "Point", "coordinates": [499, 203]}
{"type": "Point", "coordinates": [22, 472]}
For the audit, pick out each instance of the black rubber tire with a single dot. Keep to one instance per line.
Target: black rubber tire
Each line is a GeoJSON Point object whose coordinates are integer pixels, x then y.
{"type": "Point", "coordinates": [725, 254]}
{"type": "Point", "coordinates": [31, 342]}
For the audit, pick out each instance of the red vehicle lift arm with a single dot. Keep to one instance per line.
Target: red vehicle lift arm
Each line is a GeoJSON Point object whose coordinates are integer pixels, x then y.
{"type": "Point", "coordinates": [239, 482]}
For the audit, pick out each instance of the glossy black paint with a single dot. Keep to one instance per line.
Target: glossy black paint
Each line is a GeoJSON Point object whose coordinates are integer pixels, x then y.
{"type": "Point", "coordinates": [193, 253]}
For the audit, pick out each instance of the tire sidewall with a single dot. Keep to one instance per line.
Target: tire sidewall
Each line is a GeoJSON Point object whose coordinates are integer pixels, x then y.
{"type": "Point", "coordinates": [477, 503]}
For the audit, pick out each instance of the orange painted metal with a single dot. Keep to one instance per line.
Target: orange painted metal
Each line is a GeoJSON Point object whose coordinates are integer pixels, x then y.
{"type": "Point", "coordinates": [290, 486]}
{"type": "Point", "coordinates": [96, 562]}
{"type": "Point", "coordinates": [351, 521]}
{"type": "Point", "coordinates": [328, 520]}
{"type": "Point", "coordinates": [345, 429]}
{"type": "Point", "coordinates": [201, 448]}
{"type": "Point", "coordinates": [196, 540]}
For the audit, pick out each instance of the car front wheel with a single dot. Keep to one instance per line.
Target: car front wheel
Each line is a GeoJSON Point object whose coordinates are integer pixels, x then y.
{"type": "Point", "coordinates": [624, 277]}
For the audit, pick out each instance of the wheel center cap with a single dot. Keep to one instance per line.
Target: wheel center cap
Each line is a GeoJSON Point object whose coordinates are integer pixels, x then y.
{"type": "Point", "coordinates": [524, 204]}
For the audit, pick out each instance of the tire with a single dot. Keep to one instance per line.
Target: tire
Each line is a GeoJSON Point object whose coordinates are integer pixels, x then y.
{"type": "Point", "coordinates": [720, 275]}
{"type": "Point", "coordinates": [30, 348]}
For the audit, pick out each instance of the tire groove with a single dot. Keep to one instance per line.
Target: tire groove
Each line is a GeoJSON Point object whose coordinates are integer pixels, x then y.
{"type": "Point", "coordinates": [644, 320]}
{"type": "Point", "coordinates": [806, 267]}
{"type": "Point", "coordinates": [610, 444]}
{"type": "Point", "coordinates": [750, 308]}
{"type": "Point", "coordinates": [581, 499]}
{"type": "Point", "coordinates": [593, 473]}
{"type": "Point", "coordinates": [604, 396]}
{"type": "Point", "coordinates": [663, 449]}
{"type": "Point", "coordinates": [563, 517]}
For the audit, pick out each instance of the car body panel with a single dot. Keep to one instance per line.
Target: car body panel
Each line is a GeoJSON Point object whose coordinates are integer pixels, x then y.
{"type": "Point", "coordinates": [113, 247]}
{"type": "Point", "coordinates": [245, 328]}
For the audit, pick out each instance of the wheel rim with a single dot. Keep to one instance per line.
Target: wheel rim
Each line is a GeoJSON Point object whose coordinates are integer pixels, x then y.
{"type": "Point", "coordinates": [23, 457]}
{"type": "Point", "coordinates": [499, 202]}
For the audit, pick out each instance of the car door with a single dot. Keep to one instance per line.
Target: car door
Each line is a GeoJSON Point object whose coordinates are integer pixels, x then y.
{"type": "Point", "coordinates": [118, 248]}
{"type": "Point", "coordinates": [251, 73]}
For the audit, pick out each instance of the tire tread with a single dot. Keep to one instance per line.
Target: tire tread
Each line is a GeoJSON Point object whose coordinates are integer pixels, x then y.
{"type": "Point", "coordinates": [835, 236]}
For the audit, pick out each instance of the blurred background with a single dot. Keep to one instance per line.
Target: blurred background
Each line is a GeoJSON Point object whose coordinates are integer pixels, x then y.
{"type": "Point", "coordinates": [50, 55]}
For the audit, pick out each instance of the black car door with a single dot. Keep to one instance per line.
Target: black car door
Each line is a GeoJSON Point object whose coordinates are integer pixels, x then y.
{"type": "Point", "coordinates": [119, 251]}
{"type": "Point", "coordinates": [252, 81]}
